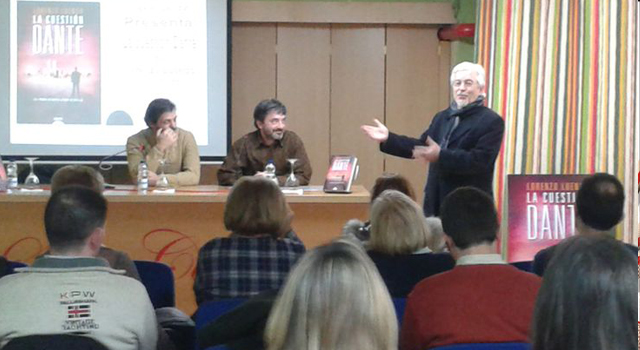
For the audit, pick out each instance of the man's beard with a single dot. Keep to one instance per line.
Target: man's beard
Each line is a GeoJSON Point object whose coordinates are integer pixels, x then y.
{"type": "Point", "coordinates": [277, 135]}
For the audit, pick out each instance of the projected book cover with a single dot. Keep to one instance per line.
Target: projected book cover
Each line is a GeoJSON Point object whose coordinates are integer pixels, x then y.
{"type": "Point", "coordinates": [58, 64]}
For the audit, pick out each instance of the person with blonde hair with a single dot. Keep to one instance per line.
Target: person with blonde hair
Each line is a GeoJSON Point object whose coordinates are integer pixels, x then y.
{"type": "Point", "coordinates": [401, 242]}
{"type": "Point", "coordinates": [387, 181]}
{"type": "Point", "coordinates": [260, 251]}
{"type": "Point", "coordinates": [334, 299]}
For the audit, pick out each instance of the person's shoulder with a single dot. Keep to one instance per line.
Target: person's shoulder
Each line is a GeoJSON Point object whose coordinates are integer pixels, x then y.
{"type": "Point", "coordinates": [438, 281]}
{"type": "Point", "coordinates": [631, 247]}
{"type": "Point", "coordinates": [140, 135]}
{"type": "Point", "coordinates": [214, 243]}
{"type": "Point", "coordinates": [544, 254]}
{"type": "Point", "coordinates": [246, 139]}
{"type": "Point", "coordinates": [487, 112]}
{"type": "Point", "coordinates": [116, 281]}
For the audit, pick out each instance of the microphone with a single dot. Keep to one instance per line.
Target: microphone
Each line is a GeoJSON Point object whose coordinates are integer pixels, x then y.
{"type": "Point", "coordinates": [107, 167]}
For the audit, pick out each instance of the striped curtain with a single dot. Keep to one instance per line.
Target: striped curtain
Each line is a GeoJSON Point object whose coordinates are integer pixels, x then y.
{"type": "Point", "coordinates": [564, 75]}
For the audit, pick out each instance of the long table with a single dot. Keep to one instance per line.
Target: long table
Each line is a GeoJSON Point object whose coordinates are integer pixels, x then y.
{"type": "Point", "coordinates": [171, 228]}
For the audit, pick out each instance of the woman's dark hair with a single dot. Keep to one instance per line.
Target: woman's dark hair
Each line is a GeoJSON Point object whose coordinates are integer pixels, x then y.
{"type": "Point", "coordinates": [586, 301]}
{"type": "Point", "coordinates": [392, 182]}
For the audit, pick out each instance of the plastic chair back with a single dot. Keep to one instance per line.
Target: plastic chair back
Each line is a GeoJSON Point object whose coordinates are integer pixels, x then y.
{"type": "Point", "coordinates": [399, 304]}
{"type": "Point", "coordinates": [158, 280]}
{"type": "Point", "coordinates": [210, 311]}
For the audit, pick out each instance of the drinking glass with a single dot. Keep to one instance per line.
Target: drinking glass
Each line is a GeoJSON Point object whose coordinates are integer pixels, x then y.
{"type": "Point", "coordinates": [32, 180]}
{"type": "Point", "coordinates": [163, 182]}
{"type": "Point", "coordinates": [292, 180]}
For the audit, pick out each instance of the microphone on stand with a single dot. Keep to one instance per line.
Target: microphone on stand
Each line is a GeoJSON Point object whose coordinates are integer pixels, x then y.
{"type": "Point", "coordinates": [107, 167]}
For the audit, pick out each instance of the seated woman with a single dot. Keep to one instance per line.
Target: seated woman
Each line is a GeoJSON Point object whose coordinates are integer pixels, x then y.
{"type": "Point", "coordinates": [260, 250]}
{"type": "Point", "coordinates": [334, 299]}
{"type": "Point", "coordinates": [400, 243]}
{"type": "Point", "coordinates": [359, 229]}
{"type": "Point", "coordinates": [586, 299]}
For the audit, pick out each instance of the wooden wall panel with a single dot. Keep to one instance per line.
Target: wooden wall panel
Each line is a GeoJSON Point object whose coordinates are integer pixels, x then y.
{"type": "Point", "coordinates": [253, 76]}
{"type": "Point", "coordinates": [357, 94]}
{"type": "Point", "coordinates": [303, 85]}
{"type": "Point", "coordinates": [412, 92]}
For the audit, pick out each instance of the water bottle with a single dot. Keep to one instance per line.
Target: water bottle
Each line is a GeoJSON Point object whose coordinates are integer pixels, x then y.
{"type": "Point", "coordinates": [270, 171]}
{"type": "Point", "coordinates": [12, 175]}
{"type": "Point", "coordinates": [143, 176]}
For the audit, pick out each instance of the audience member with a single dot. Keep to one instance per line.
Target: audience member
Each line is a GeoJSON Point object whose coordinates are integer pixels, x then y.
{"type": "Point", "coordinates": [599, 209]}
{"type": "Point", "coordinates": [271, 141]}
{"type": "Point", "coordinates": [359, 229]}
{"type": "Point", "coordinates": [73, 292]}
{"type": "Point", "coordinates": [334, 299]}
{"type": "Point", "coordinates": [586, 299]}
{"type": "Point", "coordinates": [438, 245]}
{"type": "Point", "coordinates": [400, 241]}
{"type": "Point", "coordinates": [80, 175]}
{"type": "Point", "coordinates": [260, 251]}
{"type": "Point", "coordinates": [164, 140]}
{"type": "Point", "coordinates": [483, 299]}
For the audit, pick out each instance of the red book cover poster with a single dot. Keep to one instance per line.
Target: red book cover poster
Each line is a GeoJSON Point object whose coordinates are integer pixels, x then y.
{"type": "Point", "coordinates": [341, 174]}
{"type": "Point", "coordinates": [541, 213]}
{"type": "Point", "coordinates": [58, 62]}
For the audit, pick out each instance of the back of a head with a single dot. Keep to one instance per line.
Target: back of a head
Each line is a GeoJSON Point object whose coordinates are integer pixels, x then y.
{"type": "Point", "coordinates": [255, 205]}
{"type": "Point", "coordinates": [469, 217]}
{"type": "Point", "coordinates": [77, 175]}
{"type": "Point", "coordinates": [334, 299]}
{"type": "Point", "coordinates": [392, 182]}
{"type": "Point", "coordinates": [71, 215]}
{"type": "Point", "coordinates": [586, 301]}
{"type": "Point", "coordinates": [600, 201]}
{"type": "Point", "coordinates": [398, 225]}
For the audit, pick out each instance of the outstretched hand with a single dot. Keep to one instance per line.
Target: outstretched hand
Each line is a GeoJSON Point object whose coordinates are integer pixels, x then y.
{"type": "Point", "coordinates": [429, 153]}
{"type": "Point", "coordinates": [378, 133]}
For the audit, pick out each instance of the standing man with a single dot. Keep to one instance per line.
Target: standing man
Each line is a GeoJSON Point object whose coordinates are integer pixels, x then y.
{"type": "Point", "coordinates": [164, 140]}
{"type": "Point", "coordinates": [75, 81]}
{"type": "Point", "coordinates": [461, 144]}
{"type": "Point", "coordinates": [271, 141]}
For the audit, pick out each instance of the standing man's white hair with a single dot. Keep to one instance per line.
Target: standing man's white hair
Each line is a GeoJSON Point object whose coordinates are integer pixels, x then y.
{"type": "Point", "coordinates": [473, 67]}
